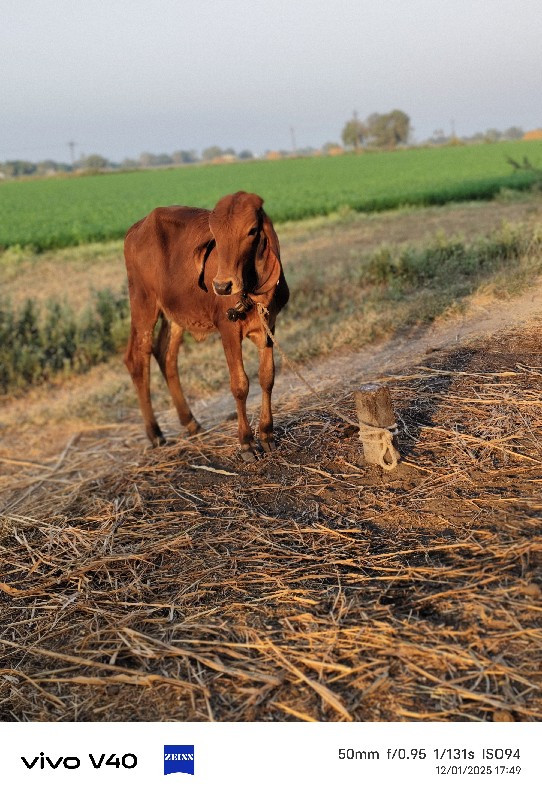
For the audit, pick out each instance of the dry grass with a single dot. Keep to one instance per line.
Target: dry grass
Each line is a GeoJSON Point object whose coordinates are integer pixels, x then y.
{"type": "Point", "coordinates": [183, 584]}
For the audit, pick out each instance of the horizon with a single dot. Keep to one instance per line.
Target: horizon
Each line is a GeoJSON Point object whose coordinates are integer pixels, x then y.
{"type": "Point", "coordinates": [468, 138]}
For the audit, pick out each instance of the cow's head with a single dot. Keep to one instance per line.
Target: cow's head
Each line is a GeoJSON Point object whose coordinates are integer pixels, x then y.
{"type": "Point", "coordinates": [246, 246]}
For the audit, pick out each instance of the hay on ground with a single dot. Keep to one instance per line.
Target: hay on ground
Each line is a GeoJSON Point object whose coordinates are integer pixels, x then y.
{"type": "Point", "coordinates": [183, 584]}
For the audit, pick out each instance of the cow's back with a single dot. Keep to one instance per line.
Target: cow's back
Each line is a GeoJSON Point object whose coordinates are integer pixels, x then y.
{"type": "Point", "coordinates": [165, 232]}
{"type": "Point", "coordinates": [159, 254]}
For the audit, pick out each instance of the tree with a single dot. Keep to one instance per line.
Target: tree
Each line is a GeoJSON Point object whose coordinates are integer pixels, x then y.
{"type": "Point", "coordinates": [15, 168]}
{"type": "Point", "coordinates": [513, 133]}
{"type": "Point", "coordinates": [184, 156]}
{"type": "Point", "coordinates": [400, 125]}
{"type": "Point", "coordinates": [492, 135]}
{"type": "Point", "coordinates": [245, 154]}
{"type": "Point", "coordinates": [47, 167]}
{"type": "Point", "coordinates": [162, 159]}
{"type": "Point", "coordinates": [94, 161]}
{"type": "Point", "coordinates": [130, 163]}
{"type": "Point", "coordinates": [147, 159]}
{"type": "Point", "coordinates": [354, 133]}
{"type": "Point", "coordinates": [438, 137]}
{"type": "Point", "coordinates": [211, 152]}
{"type": "Point", "coordinates": [389, 130]}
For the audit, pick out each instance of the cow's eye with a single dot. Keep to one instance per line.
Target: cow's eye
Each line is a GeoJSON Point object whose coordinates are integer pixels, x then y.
{"type": "Point", "coordinates": [253, 232]}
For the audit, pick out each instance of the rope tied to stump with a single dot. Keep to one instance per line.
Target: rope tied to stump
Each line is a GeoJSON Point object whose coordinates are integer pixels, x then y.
{"type": "Point", "coordinates": [383, 438]}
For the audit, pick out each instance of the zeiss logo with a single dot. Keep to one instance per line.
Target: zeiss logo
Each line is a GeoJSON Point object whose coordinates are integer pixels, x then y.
{"type": "Point", "coordinates": [178, 758]}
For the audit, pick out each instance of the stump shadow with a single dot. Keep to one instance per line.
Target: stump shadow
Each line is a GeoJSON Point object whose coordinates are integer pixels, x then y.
{"type": "Point", "coordinates": [421, 411]}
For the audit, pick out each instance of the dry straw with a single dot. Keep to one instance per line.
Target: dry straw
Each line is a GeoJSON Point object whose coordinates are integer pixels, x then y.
{"type": "Point", "coordinates": [183, 584]}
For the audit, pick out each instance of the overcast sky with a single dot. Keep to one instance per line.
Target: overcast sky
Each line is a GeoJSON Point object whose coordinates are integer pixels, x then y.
{"type": "Point", "coordinates": [124, 76]}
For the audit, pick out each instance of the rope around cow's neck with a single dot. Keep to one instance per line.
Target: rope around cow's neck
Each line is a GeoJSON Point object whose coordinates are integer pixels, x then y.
{"type": "Point", "coordinates": [383, 435]}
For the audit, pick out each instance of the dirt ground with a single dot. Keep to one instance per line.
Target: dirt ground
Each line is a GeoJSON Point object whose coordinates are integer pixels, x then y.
{"type": "Point", "coordinates": [182, 584]}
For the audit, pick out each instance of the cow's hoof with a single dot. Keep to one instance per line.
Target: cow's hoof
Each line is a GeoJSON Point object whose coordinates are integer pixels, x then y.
{"type": "Point", "coordinates": [268, 444]}
{"type": "Point", "coordinates": [159, 441]}
{"type": "Point", "coordinates": [193, 427]}
{"type": "Point", "coordinates": [248, 454]}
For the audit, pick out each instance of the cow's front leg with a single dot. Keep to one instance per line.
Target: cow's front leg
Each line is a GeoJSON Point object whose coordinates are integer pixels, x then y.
{"type": "Point", "coordinates": [239, 388]}
{"type": "Point", "coordinates": [267, 379]}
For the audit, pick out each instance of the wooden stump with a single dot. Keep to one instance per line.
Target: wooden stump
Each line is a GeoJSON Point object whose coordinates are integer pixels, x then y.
{"type": "Point", "coordinates": [377, 426]}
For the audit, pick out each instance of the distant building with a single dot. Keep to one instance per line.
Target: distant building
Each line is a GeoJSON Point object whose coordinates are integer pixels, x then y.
{"type": "Point", "coordinates": [532, 135]}
{"type": "Point", "coordinates": [225, 158]}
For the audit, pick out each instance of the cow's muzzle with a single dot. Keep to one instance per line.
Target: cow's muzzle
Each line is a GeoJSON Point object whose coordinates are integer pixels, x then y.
{"type": "Point", "coordinates": [222, 287]}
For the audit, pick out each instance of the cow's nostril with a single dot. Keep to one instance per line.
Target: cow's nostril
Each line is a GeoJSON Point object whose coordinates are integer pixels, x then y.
{"type": "Point", "coordinates": [222, 287]}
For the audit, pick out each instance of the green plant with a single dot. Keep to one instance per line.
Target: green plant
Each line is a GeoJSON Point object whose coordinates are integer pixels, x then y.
{"type": "Point", "coordinates": [37, 344]}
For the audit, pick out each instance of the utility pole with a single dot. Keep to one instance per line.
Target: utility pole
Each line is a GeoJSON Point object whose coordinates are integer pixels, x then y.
{"type": "Point", "coordinates": [356, 123]}
{"type": "Point", "coordinates": [452, 124]}
{"type": "Point", "coordinates": [72, 146]}
{"type": "Point", "coordinates": [292, 134]}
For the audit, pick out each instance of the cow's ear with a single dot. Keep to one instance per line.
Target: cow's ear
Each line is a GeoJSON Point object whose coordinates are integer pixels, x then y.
{"type": "Point", "coordinates": [201, 254]}
{"type": "Point", "coordinates": [267, 258]}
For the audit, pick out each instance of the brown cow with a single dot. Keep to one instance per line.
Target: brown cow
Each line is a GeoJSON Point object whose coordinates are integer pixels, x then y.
{"type": "Point", "coordinates": [202, 271]}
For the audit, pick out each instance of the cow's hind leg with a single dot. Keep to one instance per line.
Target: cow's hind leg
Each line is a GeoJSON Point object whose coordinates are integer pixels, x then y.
{"type": "Point", "coordinates": [137, 360]}
{"type": "Point", "coordinates": [166, 350]}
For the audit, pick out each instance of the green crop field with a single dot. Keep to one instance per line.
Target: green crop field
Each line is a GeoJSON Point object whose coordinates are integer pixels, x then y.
{"type": "Point", "coordinates": [57, 212]}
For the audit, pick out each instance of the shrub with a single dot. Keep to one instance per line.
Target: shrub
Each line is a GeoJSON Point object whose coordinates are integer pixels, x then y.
{"type": "Point", "coordinates": [37, 344]}
{"type": "Point", "coordinates": [443, 261]}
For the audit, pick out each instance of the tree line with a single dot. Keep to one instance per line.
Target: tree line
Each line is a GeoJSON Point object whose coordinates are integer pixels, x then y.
{"type": "Point", "coordinates": [377, 131]}
{"type": "Point", "coordinates": [97, 162]}
{"type": "Point", "coordinates": [394, 129]}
